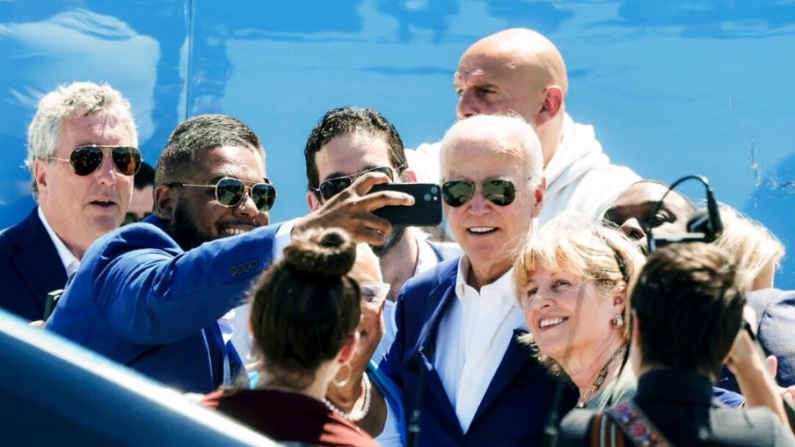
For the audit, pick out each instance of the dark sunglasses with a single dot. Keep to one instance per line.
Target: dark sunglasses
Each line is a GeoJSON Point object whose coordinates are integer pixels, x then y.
{"type": "Point", "coordinates": [86, 159]}
{"type": "Point", "coordinates": [336, 185]}
{"type": "Point", "coordinates": [231, 192]}
{"type": "Point", "coordinates": [458, 192]}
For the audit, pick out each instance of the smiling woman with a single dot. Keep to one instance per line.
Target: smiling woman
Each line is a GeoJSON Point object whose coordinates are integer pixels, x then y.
{"type": "Point", "coordinates": [572, 280]}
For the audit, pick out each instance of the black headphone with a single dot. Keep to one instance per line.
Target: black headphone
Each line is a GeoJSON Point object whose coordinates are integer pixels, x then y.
{"type": "Point", "coordinates": [701, 227]}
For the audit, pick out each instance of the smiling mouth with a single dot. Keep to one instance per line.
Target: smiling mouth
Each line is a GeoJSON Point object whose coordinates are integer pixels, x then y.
{"type": "Point", "coordinates": [234, 231]}
{"type": "Point", "coordinates": [482, 230]}
{"type": "Point", "coordinates": [551, 322]}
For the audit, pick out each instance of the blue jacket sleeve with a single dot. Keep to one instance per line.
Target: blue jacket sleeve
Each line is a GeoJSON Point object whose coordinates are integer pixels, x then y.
{"type": "Point", "coordinates": [151, 292]}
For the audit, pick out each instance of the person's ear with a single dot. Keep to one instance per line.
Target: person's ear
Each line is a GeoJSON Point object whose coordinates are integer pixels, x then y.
{"type": "Point", "coordinates": [312, 200]}
{"type": "Point", "coordinates": [40, 176]}
{"type": "Point", "coordinates": [636, 335]}
{"type": "Point", "coordinates": [165, 202]}
{"type": "Point", "coordinates": [409, 176]}
{"type": "Point", "coordinates": [618, 301]}
{"type": "Point", "coordinates": [551, 106]}
{"type": "Point", "coordinates": [540, 195]}
{"type": "Point", "coordinates": [349, 348]}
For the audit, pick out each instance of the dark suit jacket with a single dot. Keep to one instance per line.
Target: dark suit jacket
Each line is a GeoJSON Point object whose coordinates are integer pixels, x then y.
{"type": "Point", "coordinates": [30, 268]}
{"type": "Point", "coordinates": [517, 403]}
{"type": "Point", "coordinates": [681, 407]}
{"type": "Point", "coordinates": [142, 301]}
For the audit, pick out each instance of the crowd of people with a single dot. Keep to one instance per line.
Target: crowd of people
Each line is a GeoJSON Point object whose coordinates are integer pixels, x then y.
{"type": "Point", "coordinates": [548, 320]}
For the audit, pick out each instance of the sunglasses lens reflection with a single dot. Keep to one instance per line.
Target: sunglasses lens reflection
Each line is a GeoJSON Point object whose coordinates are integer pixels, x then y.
{"type": "Point", "coordinates": [87, 159]}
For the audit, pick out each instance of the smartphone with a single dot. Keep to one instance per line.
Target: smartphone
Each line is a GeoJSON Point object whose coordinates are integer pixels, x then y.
{"type": "Point", "coordinates": [427, 208]}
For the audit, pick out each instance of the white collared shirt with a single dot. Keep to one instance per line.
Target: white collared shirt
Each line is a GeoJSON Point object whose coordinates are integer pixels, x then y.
{"type": "Point", "coordinates": [472, 339]}
{"type": "Point", "coordinates": [69, 260]}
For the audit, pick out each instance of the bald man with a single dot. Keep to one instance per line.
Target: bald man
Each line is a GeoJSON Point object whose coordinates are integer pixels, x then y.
{"type": "Point", "coordinates": [519, 71]}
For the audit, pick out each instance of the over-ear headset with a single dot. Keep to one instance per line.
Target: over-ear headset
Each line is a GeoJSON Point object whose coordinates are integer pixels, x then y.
{"type": "Point", "coordinates": [703, 226]}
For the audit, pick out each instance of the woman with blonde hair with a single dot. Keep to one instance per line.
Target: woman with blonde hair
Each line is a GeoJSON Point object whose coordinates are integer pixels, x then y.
{"type": "Point", "coordinates": [572, 278]}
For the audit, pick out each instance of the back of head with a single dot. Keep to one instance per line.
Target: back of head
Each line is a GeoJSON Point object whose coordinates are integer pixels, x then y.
{"type": "Point", "coordinates": [196, 136]}
{"type": "Point", "coordinates": [500, 133]}
{"type": "Point", "coordinates": [347, 120]}
{"type": "Point", "coordinates": [306, 306]}
{"type": "Point", "coordinates": [573, 243]}
{"type": "Point", "coordinates": [144, 177]}
{"type": "Point", "coordinates": [753, 246]}
{"type": "Point", "coordinates": [689, 308]}
{"type": "Point", "coordinates": [66, 101]}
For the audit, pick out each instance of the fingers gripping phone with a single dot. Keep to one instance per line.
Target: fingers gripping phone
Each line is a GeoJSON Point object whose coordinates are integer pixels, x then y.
{"type": "Point", "coordinates": [427, 208]}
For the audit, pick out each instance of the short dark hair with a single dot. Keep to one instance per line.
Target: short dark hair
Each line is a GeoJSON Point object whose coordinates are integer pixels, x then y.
{"type": "Point", "coordinates": [306, 306]}
{"type": "Point", "coordinates": [194, 137]}
{"type": "Point", "coordinates": [347, 120]}
{"type": "Point", "coordinates": [689, 306]}
{"type": "Point", "coordinates": [144, 177]}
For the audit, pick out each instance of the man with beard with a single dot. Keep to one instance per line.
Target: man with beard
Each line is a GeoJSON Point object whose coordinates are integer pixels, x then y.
{"type": "Point", "coordinates": [149, 294]}
{"type": "Point", "coordinates": [347, 143]}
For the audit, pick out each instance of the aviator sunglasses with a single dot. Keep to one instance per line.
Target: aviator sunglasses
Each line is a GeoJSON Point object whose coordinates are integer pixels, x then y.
{"type": "Point", "coordinates": [86, 159]}
{"type": "Point", "coordinates": [458, 192]}
{"type": "Point", "coordinates": [336, 185]}
{"type": "Point", "coordinates": [374, 293]}
{"type": "Point", "coordinates": [231, 192]}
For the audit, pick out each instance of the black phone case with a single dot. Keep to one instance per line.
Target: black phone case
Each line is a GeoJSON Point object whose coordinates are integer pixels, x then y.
{"type": "Point", "coordinates": [427, 208]}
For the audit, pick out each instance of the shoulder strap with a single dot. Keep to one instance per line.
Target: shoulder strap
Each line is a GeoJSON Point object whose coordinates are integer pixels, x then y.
{"type": "Point", "coordinates": [636, 426]}
{"type": "Point", "coordinates": [604, 432]}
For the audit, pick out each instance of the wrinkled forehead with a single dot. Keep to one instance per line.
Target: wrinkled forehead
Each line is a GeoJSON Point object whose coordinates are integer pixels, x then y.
{"type": "Point", "coordinates": [478, 158]}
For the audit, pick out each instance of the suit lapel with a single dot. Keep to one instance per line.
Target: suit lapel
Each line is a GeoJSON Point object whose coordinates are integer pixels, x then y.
{"type": "Point", "coordinates": [516, 357]}
{"type": "Point", "coordinates": [37, 260]}
{"type": "Point", "coordinates": [444, 295]}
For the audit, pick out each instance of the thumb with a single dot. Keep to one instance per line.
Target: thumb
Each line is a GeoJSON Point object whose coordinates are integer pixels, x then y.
{"type": "Point", "coordinates": [772, 365]}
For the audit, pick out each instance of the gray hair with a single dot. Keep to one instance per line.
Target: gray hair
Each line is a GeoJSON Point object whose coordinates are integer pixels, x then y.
{"type": "Point", "coordinates": [505, 131]}
{"type": "Point", "coordinates": [66, 101]}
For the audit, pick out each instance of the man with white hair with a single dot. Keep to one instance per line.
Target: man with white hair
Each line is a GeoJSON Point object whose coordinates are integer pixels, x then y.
{"type": "Point", "coordinates": [520, 71]}
{"type": "Point", "coordinates": [82, 155]}
{"type": "Point", "coordinates": [456, 355]}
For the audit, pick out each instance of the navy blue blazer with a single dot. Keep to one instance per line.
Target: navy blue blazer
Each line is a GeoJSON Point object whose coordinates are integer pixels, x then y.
{"type": "Point", "coordinates": [142, 301]}
{"type": "Point", "coordinates": [30, 268]}
{"type": "Point", "coordinates": [518, 401]}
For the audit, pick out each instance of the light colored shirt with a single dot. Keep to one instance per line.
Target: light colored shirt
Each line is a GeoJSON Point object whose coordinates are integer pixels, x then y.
{"type": "Point", "coordinates": [390, 435]}
{"type": "Point", "coordinates": [426, 260]}
{"type": "Point", "coordinates": [472, 339]}
{"type": "Point", "coordinates": [69, 260]}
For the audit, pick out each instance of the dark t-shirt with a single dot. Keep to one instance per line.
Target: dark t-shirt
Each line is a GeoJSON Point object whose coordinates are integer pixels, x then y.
{"type": "Point", "coordinates": [286, 416]}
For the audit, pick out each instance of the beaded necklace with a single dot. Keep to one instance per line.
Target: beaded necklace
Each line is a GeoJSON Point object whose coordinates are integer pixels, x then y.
{"type": "Point", "coordinates": [600, 379]}
{"type": "Point", "coordinates": [355, 416]}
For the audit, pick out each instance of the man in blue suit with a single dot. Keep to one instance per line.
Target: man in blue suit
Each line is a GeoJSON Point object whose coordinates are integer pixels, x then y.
{"type": "Point", "coordinates": [149, 294]}
{"type": "Point", "coordinates": [82, 155]}
{"type": "Point", "coordinates": [456, 355]}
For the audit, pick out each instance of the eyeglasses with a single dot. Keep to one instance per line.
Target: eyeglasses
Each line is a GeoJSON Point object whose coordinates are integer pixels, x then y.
{"type": "Point", "coordinates": [86, 159]}
{"type": "Point", "coordinates": [374, 293]}
{"type": "Point", "coordinates": [458, 192]}
{"type": "Point", "coordinates": [231, 192]}
{"type": "Point", "coordinates": [336, 185]}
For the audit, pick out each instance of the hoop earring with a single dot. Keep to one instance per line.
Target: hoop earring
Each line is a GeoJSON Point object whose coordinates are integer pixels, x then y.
{"type": "Point", "coordinates": [342, 383]}
{"type": "Point", "coordinates": [617, 321]}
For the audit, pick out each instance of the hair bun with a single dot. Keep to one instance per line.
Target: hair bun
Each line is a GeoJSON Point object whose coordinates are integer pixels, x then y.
{"type": "Point", "coordinates": [328, 253]}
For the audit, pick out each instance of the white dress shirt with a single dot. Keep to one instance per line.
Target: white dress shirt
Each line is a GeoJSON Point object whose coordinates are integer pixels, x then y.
{"type": "Point", "coordinates": [69, 260]}
{"type": "Point", "coordinates": [472, 339]}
